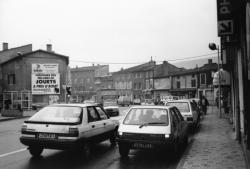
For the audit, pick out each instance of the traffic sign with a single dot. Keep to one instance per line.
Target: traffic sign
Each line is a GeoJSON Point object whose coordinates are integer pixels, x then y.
{"type": "Point", "coordinates": [225, 27]}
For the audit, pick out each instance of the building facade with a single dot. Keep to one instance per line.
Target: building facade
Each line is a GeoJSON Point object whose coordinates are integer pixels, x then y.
{"type": "Point", "coordinates": [86, 81]}
{"type": "Point", "coordinates": [32, 77]}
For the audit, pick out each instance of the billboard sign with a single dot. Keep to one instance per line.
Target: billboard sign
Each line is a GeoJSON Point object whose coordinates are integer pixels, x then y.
{"type": "Point", "coordinates": [45, 79]}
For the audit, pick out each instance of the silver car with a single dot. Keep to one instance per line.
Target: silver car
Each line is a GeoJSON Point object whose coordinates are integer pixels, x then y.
{"type": "Point", "coordinates": [67, 126]}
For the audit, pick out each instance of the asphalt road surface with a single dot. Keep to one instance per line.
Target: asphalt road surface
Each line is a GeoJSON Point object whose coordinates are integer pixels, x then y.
{"type": "Point", "coordinates": [14, 155]}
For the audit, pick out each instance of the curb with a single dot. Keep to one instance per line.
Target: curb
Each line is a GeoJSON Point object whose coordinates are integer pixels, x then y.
{"type": "Point", "coordinates": [13, 118]}
{"type": "Point", "coordinates": [183, 158]}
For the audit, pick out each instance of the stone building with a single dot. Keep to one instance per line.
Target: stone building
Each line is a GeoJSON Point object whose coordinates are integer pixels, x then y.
{"type": "Point", "coordinates": [32, 77]}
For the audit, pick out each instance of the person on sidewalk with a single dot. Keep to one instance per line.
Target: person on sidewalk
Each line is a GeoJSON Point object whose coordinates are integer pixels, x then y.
{"type": "Point", "coordinates": [203, 104]}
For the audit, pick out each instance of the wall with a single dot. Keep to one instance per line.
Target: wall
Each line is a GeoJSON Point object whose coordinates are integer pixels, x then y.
{"type": "Point", "coordinates": [21, 67]}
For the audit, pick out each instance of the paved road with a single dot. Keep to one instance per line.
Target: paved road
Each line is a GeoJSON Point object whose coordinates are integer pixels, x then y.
{"type": "Point", "coordinates": [13, 155]}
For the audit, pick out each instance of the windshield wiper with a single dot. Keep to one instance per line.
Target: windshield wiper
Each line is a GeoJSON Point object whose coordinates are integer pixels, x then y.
{"type": "Point", "coordinates": [149, 123]}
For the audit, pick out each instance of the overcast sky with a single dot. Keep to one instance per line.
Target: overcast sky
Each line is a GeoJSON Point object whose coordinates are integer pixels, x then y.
{"type": "Point", "coordinates": [111, 31]}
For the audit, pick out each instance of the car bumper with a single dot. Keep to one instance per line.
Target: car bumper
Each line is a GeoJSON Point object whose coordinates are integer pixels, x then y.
{"type": "Point", "coordinates": [146, 144]}
{"type": "Point", "coordinates": [49, 143]}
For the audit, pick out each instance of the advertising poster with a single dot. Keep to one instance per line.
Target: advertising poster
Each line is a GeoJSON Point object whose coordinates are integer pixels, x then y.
{"type": "Point", "coordinates": [45, 79]}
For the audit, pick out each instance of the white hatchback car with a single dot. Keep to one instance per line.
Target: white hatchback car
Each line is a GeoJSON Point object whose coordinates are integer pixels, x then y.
{"type": "Point", "coordinates": [187, 109]}
{"type": "Point", "coordinates": [152, 127]}
{"type": "Point", "coordinates": [65, 126]}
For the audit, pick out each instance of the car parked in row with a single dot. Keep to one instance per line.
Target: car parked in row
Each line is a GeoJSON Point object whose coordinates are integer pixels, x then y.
{"type": "Point", "coordinates": [188, 111]}
{"type": "Point", "coordinates": [111, 108]}
{"type": "Point", "coordinates": [68, 126]}
{"type": "Point", "coordinates": [152, 127]}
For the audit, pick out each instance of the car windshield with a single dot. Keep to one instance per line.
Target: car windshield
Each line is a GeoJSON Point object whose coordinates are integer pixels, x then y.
{"type": "Point", "coordinates": [61, 114]}
{"type": "Point", "coordinates": [148, 116]}
{"type": "Point", "coordinates": [110, 103]}
{"type": "Point", "coordinates": [182, 106]}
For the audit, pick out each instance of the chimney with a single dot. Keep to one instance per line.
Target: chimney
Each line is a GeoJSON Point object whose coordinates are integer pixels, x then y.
{"type": "Point", "coordinates": [210, 61]}
{"type": "Point", "coordinates": [5, 46]}
{"type": "Point", "coordinates": [49, 47]}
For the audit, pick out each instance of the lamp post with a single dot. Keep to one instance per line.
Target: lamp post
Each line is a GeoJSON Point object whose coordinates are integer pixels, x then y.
{"type": "Point", "coordinates": [213, 46]}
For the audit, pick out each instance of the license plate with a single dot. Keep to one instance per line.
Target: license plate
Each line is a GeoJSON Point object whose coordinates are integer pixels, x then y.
{"type": "Point", "coordinates": [142, 145]}
{"type": "Point", "coordinates": [46, 136]}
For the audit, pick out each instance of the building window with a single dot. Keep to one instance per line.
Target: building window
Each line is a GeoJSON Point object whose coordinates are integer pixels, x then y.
{"type": "Point", "coordinates": [177, 77]}
{"type": "Point", "coordinates": [193, 76]}
{"type": "Point", "coordinates": [178, 84]}
{"type": "Point", "coordinates": [203, 79]}
{"type": "Point", "coordinates": [139, 85]}
{"type": "Point", "coordinates": [193, 83]}
{"type": "Point", "coordinates": [11, 79]}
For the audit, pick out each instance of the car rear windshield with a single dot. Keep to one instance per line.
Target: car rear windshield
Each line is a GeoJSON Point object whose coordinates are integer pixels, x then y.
{"type": "Point", "coordinates": [182, 106]}
{"type": "Point", "coordinates": [152, 116]}
{"type": "Point", "coordinates": [58, 114]}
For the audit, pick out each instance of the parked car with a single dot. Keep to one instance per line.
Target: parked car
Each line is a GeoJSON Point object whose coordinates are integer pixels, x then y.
{"type": "Point", "coordinates": [152, 127]}
{"type": "Point", "coordinates": [136, 101]}
{"type": "Point", "coordinates": [188, 111]}
{"type": "Point", "coordinates": [196, 102]}
{"type": "Point", "coordinates": [38, 106]}
{"type": "Point", "coordinates": [111, 108]}
{"type": "Point", "coordinates": [124, 101]}
{"type": "Point", "coordinates": [67, 126]}
{"type": "Point", "coordinates": [148, 102]}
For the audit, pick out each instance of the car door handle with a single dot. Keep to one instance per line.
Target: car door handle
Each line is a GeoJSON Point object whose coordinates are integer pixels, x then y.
{"type": "Point", "coordinates": [93, 126]}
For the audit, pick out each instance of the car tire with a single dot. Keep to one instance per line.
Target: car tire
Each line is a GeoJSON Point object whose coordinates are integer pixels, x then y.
{"type": "Point", "coordinates": [124, 150]}
{"type": "Point", "coordinates": [35, 151]}
{"type": "Point", "coordinates": [86, 150]}
{"type": "Point", "coordinates": [185, 142]}
{"type": "Point", "coordinates": [175, 149]}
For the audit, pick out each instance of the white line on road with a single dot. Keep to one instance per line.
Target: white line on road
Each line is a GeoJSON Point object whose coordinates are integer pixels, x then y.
{"type": "Point", "coordinates": [13, 152]}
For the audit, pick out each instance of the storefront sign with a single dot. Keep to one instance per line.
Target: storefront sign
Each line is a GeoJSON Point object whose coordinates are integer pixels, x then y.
{"type": "Point", "coordinates": [45, 79]}
{"type": "Point", "coordinates": [225, 17]}
{"type": "Point", "coordinates": [44, 68]}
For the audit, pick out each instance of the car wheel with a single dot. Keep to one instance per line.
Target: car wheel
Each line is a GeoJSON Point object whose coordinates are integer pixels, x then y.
{"type": "Point", "coordinates": [175, 150]}
{"type": "Point", "coordinates": [35, 151]}
{"type": "Point", "coordinates": [123, 150]}
{"type": "Point", "coordinates": [86, 150]}
{"type": "Point", "coordinates": [185, 142]}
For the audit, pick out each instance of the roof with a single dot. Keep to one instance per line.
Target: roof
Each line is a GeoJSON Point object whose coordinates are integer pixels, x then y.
{"type": "Point", "coordinates": [86, 68]}
{"type": "Point", "coordinates": [151, 107]}
{"type": "Point", "coordinates": [182, 100]}
{"type": "Point", "coordinates": [32, 52]}
{"type": "Point", "coordinates": [74, 104]}
{"type": "Point", "coordinates": [143, 67]}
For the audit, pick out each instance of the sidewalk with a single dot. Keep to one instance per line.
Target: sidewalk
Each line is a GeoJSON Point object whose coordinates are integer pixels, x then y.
{"type": "Point", "coordinates": [214, 146]}
{"type": "Point", "coordinates": [26, 114]}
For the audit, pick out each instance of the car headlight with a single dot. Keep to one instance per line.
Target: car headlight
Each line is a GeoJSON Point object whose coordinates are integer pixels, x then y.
{"type": "Point", "coordinates": [120, 133]}
{"type": "Point", "coordinates": [24, 128]}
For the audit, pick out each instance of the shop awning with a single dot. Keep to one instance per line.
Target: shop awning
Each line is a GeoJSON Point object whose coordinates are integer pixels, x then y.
{"type": "Point", "coordinates": [224, 78]}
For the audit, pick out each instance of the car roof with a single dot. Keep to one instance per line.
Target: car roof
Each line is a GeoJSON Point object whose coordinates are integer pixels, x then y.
{"type": "Point", "coordinates": [151, 107]}
{"type": "Point", "coordinates": [75, 104]}
{"type": "Point", "coordinates": [182, 100]}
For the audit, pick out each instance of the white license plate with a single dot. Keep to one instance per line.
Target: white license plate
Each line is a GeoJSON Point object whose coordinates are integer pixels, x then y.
{"type": "Point", "coordinates": [142, 145]}
{"type": "Point", "coordinates": [46, 136]}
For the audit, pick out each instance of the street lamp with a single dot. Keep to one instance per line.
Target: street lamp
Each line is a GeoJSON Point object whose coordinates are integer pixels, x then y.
{"type": "Point", "coordinates": [213, 46]}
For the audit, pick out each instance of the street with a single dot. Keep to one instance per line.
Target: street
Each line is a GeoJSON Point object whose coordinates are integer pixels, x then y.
{"type": "Point", "coordinates": [13, 155]}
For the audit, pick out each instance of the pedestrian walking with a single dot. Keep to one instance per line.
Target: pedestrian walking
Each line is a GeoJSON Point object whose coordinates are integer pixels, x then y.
{"type": "Point", "coordinates": [203, 104]}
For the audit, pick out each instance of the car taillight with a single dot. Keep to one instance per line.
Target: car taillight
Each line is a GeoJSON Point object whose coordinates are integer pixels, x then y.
{"type": "Point", "coordinates": [73, 132]}
{"type": "Point", "coordinates": [24, 128]}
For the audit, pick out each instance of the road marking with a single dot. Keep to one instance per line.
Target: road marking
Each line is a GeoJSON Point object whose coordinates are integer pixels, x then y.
{"type": "Point", "coordinates": [13, 152]}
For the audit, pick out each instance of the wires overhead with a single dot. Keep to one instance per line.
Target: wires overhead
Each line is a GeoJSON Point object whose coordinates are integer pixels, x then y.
{"type": "Point", "coordinates": [132, 63]}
